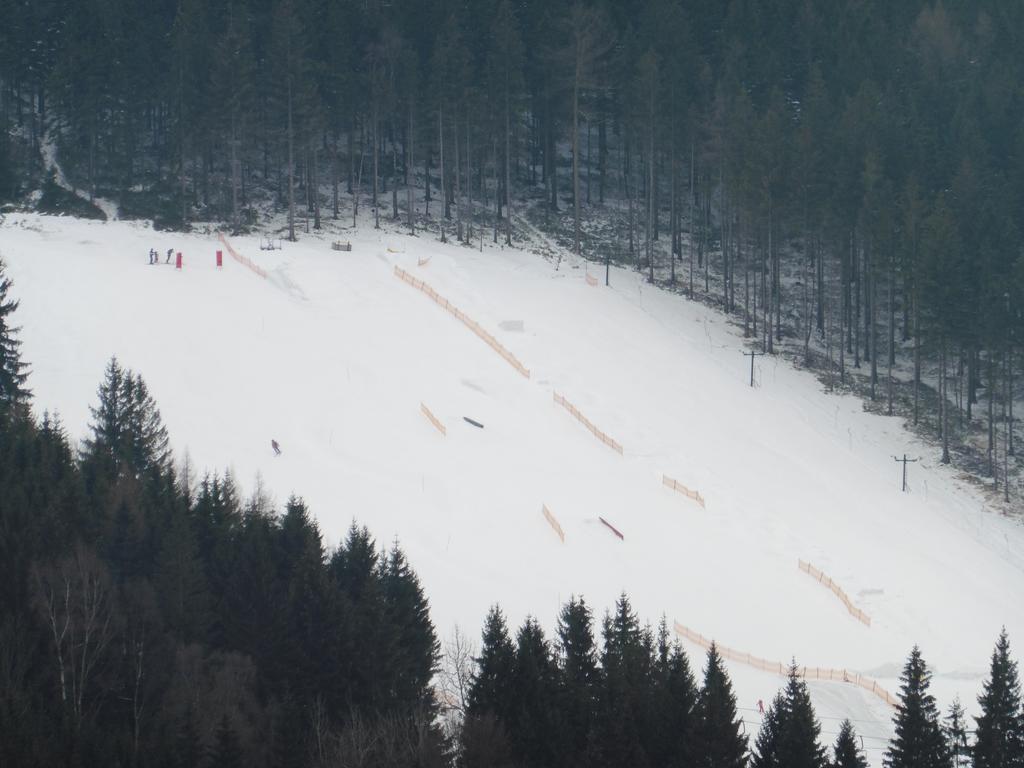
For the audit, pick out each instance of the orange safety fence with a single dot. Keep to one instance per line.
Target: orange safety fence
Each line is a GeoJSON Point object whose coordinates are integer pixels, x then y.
{"type": "Point", "coordinates": [825, 581]}
{"type": "Point", "coordinates": [778, 668]}
{"type": "Point", "coordinates": [243, 260]}
{"type": "Point", "coordinates": [553, 522]}
{"type": "Point", "coordinates": [591, 280]}
{"type": "Point", "coordinates": [433, 419]}
{"type": "Point", "coordinates": [587, 423]}
{"type": "Point", "coordinates": [473, 325]}
{"type": "Point", "coordinates": [675, 485]}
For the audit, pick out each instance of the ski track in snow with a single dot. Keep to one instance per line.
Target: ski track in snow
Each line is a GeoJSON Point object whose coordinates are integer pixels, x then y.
{"type": "Point", "coordinates": [331, 355]}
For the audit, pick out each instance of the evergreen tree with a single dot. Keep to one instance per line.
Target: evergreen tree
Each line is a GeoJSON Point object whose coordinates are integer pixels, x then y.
{"type": "Point", "coordinates": [767, 745]}
{"type": "Point", "coordinates": [128, 435]}
{"type": "Point", "coordinates": [491, 691]}
{"type": "Point", "coordinates": [579, 678]}
{"type": "Point", "coordinates": [407, 618]}
{"type": "Point", "coordinates": [718, 738]}
{"type": "Point", "coordinates": [799, 745]}
{"type": "Point", "coordinates": [999, 734]}
{"type": "Point", "coordinates": [13, 372]}
{"type": "Point", "coordinates": [955, 729]}
{"type": "Point", "coordinates": [846, 753]}
{"type": "Point", "coordinates": [626, 711]}
{"type": "Point", "coordinates": [535, 720]}
{"type": "Point", "coordinates": [674, 721]}
{"type": "Point", "coordinates": [919, 742]}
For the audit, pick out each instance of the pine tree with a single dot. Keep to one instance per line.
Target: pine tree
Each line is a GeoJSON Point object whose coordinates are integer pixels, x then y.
{"type": "Point", "coordinates": [955, 729]}
{"type": "Point", "coordinates": [718, 740]}
{"type": "Point", "coordinates": [846, 753]}
{"type": "Point", "coordinates": [999, 739]}
{"type": "Point", "coordinates": [919, 742]}
{"type": "Point", "coordinates": [535, 720]}
{"type": "Point", "coordinates": [580, 677]}
{"type": "Point", "coordinates": [128, 435]}
{"type": "Point", "coordinates": [491, 692]}
{"type": "Point", "coordinates": [766, 753]}
{"type": "Point", "coordinates": [799, 746]}
{"type": "Point", "coordinates": [13, 372]}
{"type": "Point", "coordinates": [676, 705]}
{"type": "Point", "coordinates": [407, 615]}
{"type": "Point", "coordinates": [626, 702]}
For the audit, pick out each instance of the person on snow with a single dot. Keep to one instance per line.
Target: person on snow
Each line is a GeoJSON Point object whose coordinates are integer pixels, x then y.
{"type": "Point", "coordinates": [276, 447]}
{"type": "Point", "coordinates": [760, 706]}
{"type": "Point", "coordinates": [170, 252]}
{"type": "Point", "coordinates": [152, 256]}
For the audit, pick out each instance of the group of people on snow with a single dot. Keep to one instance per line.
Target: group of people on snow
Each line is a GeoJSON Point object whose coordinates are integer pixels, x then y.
{"type": "Point", "coordinates": [154, 257]}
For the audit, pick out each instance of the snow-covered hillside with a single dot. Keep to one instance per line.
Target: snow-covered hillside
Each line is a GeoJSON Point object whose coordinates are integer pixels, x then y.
{"type": "Point", "coordinates": [331, 355]}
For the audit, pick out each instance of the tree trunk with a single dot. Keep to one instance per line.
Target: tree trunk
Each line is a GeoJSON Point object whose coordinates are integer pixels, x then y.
{"type": "Point", "coordinates": [691, 219]}
{"type": "Point", "coordinates": [376, 170]}
{"type": "Point", "coordinates": [291, 167]}
{"type": "Point", "coordinates": [444, 197]}
{"type": "Point", "coordinates": [315, 187]}
{"type": "Point", "coordinates": [943, 402]}
{"type": "Point", "coordinates": [234, 175]}
{"type": "Point", "coordinates": [457, 172]}
{"type": "Point", "coordinates": [576, 155]}
{"type": "Point", "coordinates": [508, 162]}
{"type": "Point", "coordinates": [335, 207]}
{"type": "Point", "coordinates": [650, 191]}
{"type": "Point", "coordinates": [409, 166]}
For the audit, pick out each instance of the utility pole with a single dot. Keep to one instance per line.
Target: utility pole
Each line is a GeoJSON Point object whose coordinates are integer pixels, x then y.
{"type": "Point", "coordinates": [904, 460]}
{"type": "Point", "coordinates": [752, 354]}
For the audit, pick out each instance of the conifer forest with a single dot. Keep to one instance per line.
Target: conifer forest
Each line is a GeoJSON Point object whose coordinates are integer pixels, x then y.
{"type": "Point", "coordinates": [842, 178]}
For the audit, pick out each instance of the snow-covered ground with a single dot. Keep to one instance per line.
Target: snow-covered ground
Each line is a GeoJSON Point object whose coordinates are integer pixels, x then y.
{"type": "Point", "coordinates": [331, 355]}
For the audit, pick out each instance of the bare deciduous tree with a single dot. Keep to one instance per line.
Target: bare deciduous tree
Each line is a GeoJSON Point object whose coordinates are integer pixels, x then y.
{"type": "Point", "coordinates": [75, 600]}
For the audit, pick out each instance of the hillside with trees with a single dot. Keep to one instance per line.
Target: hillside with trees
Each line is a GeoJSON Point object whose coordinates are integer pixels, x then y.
{"type": "Point", "coordinates": [844, 179]}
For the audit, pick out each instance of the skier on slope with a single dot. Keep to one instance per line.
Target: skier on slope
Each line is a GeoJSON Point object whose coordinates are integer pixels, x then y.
{"type": "Point", "coordinates": [152, 256]}
{"type": "Point", "coordinates": [276, 447]}
{"type": "Point", "coordinates": [170, 252]}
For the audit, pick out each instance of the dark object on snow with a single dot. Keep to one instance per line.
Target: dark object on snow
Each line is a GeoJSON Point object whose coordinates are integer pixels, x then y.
{"type": "Point", "coordinates": [613, 528]}
{"type": "Point", "coordinates": [474, 423]}
{"type": "Point", "coordinates": [152, 256]}
{"type": "Point", "coordinates": [170, 252]}
{"type": "Point", "coordinates": [276, 447]}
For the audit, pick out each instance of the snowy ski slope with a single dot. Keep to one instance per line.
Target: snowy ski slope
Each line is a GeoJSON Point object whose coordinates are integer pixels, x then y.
{"type": "Point", "coordinates": [331, 354]}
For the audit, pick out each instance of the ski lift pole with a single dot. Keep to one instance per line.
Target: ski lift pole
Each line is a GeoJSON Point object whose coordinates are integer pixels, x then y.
{"type": "Point", "coordinates": [752, 354]}
{"type": "Point", "coordinates": [904, 461]}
